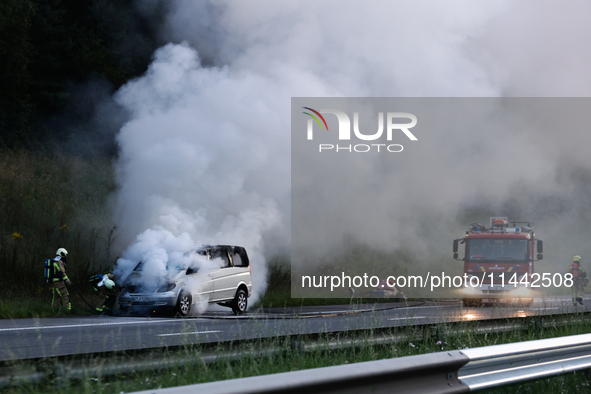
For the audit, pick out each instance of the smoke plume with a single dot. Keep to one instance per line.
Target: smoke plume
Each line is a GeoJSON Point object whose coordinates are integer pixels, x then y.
{"type": "Point", "coordinates": [205, 156]}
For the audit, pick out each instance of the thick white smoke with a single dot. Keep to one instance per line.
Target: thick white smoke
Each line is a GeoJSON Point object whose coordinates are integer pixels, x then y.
{"type": "Point", "coordinates": [205, 157]}
{"type": "Point", "coordinates": [378, 48]}
{"type": "Point", "coordinates": [200, 162]}
{"type": "Point", "coordinates": [163, 254]}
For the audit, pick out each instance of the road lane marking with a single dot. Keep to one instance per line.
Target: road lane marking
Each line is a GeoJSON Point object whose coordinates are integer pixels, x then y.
{"type": "Point", "coordinates": [408, 317]}
{"type": "Point", "coordinates": [92, 325]}
{"type": "Point", "coordinates": [427, 306]}
{"type": "Point", "coordinates": [188, 333]}
{"type": "Point", "coordinates": [344, 311]}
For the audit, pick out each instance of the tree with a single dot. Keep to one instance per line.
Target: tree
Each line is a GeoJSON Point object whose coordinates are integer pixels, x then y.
{"type": "Point", "coordinates": [16, 52]}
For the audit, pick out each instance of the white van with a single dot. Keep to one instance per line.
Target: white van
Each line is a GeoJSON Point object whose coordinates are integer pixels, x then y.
{"type": "Point", "coordinates": [229, 286]}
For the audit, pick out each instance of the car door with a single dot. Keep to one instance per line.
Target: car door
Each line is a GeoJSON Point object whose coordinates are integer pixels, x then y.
{"type": "Point", "coordinates": [235, 270]}
{"type": "Point", "coordinates": [200, 283]}
{"type": "Point", "coordinates": [225, 283]}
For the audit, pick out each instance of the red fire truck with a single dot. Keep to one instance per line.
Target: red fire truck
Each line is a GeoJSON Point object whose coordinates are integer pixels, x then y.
{"type": "Point", "coordinates": [499, 260]}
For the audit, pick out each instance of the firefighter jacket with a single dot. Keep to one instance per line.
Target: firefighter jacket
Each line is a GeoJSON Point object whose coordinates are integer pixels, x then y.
{"type": "Point", "coordinates": [95, 280]}
{"type": "Point", "coordinates": [579, 274]}
{"type": "Point", "coordinates": [59, 269]}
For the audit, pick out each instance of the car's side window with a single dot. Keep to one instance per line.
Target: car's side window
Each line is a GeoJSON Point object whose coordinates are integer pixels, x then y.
{"type": "Point", "coordinates": [225, 261]}
{"type": "Point", "coordinates": [238, 261]}
{"type": "Point", "coordinates": [231, 256]}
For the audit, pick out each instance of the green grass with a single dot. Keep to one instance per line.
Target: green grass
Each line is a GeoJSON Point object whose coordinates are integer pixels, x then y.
{"type": "Point", "coordinates": [27, 305]}
{"type": "Point", "coordinates": [19, 307]}
{"type": "Point", "coordinates": [419, 341]}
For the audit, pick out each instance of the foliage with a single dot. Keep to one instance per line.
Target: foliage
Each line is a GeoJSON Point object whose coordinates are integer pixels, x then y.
{"type": "Point", "coordinates": [50, 46]}
{"type": "Point", "coordinates": [49, 201]}
{"type": "Point", "coordinates": [16, 53]}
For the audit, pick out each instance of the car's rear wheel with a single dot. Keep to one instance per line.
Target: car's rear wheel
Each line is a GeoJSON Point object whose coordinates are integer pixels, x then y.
{"type": "Point", "coordinates": [183, 305]}
{"type": "Point", "coordinates": [240, 302]}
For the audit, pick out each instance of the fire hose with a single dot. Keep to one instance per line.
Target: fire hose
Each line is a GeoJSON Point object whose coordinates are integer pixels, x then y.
{"type": "Point", "coordinates": [80, 294]}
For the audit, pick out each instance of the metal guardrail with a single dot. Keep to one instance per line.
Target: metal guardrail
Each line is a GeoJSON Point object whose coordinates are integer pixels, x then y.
{"type": "Point", "coordinates": [457, 371]}
{"type": "Point", "coordinates": [494, 366]}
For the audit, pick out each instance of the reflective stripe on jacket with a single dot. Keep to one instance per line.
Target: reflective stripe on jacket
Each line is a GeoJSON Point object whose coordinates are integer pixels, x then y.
{"type": "Point", "coordinates": [59, 270]}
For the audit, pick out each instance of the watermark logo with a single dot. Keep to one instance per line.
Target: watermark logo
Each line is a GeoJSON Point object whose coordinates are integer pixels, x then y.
{"type": "Point", "coordinates": [344, 133]}
{"type": "Point", "coordinates": [316, 119]}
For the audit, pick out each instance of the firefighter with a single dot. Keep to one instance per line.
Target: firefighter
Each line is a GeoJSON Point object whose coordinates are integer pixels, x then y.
{"type": "Point", "coordinates": [580, 280]}
{"type": "Point", "coordinates": [59, 280]}
{"type": "Point", "coordinates": [105, 287]}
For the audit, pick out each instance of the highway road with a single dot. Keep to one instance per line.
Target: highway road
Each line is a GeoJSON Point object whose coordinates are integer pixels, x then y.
{"type": "Point", "coordinates": [49, 337]}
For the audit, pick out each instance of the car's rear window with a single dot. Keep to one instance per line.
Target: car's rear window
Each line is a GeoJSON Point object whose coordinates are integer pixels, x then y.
{"type": "Point", "coordinates": [240, 257]}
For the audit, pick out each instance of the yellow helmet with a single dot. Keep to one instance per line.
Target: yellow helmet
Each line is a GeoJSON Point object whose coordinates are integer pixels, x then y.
{"type": "Point", "coordinates": [577, 259]}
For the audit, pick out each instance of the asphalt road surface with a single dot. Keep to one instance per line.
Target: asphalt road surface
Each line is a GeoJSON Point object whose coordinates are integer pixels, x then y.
{"type": "Point", "coordinates": [49, 337]}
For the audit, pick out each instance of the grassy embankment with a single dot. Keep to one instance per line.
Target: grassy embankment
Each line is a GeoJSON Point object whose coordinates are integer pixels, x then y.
{"type": "Point", "coordinates": [415, 340]}
{"type": "Point", "coordinates": [49, 200]}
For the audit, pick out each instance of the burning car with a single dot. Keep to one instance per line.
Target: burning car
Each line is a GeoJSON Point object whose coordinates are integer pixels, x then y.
{"type": "Point", "coordinates": [228, 284]}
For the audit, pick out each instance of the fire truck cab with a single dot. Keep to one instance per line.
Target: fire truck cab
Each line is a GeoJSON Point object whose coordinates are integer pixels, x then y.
{"type": "Point", "coordinates": [499, 260]}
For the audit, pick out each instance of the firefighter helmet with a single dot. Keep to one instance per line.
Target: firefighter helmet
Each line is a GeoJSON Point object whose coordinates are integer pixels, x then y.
{"type": "Point", "coordinates": [61, 252]}
{"type": "Point", "coordinates": [577, 259]}
{"type": "Point", "coordinates": [109, 284]}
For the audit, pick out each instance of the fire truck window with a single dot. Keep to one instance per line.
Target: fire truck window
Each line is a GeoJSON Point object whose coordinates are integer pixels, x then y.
{"type": "Point", "coordinates": [498, 249]}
